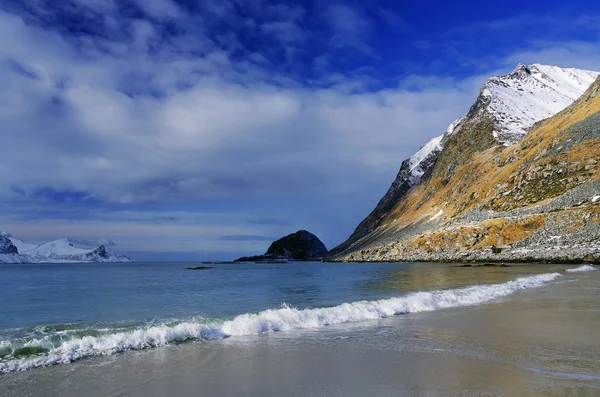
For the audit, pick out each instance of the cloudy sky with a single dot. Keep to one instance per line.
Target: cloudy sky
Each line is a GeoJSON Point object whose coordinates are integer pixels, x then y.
{"type": "Point", "coordinates": [203, 129]}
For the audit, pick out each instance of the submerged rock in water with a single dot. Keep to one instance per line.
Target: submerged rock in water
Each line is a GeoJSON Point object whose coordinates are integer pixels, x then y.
{"type": "Point", "coordinates": [487, 265]}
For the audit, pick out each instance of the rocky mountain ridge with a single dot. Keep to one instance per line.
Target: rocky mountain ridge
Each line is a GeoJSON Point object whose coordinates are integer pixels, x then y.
{"type": "Point", "coordinates": [474, 182]}
{"type": "Point", "coordinates": [14, 250]}
{"type": "Point", "coordinates": [496, 115]}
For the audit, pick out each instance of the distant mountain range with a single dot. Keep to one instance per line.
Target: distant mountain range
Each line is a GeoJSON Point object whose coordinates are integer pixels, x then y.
{"type": "Point", "coordinates": [499, 183]}
{"type": "Point", "coordinates": [14, 250]}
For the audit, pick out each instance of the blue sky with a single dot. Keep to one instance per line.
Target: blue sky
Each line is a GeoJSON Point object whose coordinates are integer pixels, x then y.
{"type": "Point", "coordinates": [192, 129]}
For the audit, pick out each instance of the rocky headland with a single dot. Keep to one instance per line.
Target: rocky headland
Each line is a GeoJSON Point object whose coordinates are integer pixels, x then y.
{"type": "Point", "coordinates": [516, 179]}
{"type": "Point", "coordinates": [299, 246]}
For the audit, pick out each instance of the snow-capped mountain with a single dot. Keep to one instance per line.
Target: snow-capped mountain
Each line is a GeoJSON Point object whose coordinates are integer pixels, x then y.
{"type": "Point", "coordinates": [514, 103]}
{"type": "Point", "coordinates": [419, 163]}
{"type": "Point", "coordinates": [481, 200]}
{"type": "Point", "coordinates": [506, 108]}
{"type": "Point", "coordinates": [8, 251]}
{"type": "Point", "coordinates": [530, 94]}
{"type": "Point", "coordinates": [22, 247]}
{"type": "Point", "coordinates": [14, 250]}
{"type": "Point", "coordinates": [6, 246]}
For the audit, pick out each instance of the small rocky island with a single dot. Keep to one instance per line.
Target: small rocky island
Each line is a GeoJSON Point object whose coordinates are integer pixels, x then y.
{"type": "Point", "coordinates": [299, 246]}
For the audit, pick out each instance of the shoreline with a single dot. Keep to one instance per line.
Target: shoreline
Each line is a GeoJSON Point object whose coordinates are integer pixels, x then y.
{"type": "Point", "coordinates": [535, 342]}
{"type": "Point", "coordinates": [524, 261]}
{"type": "Point", "coordinates": [544, 255]}
{"type": "Point", "coordinates": [416, 295]}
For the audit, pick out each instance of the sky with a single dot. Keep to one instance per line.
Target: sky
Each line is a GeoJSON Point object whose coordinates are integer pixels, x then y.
{"type": "Point", "coordinates": [204, 130]}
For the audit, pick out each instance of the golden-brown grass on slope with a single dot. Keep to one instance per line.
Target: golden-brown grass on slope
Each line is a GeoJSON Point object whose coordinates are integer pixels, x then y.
{"type": "Point", "coordinates": [488, 177]}
{"type": "Point", "coordinates": [499, 232]}
{"type": "Point", "coordinates": [494, 232]}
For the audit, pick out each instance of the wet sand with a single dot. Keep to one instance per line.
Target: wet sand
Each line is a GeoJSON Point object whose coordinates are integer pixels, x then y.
{"type": "Point", "coordinates": [535, 342]}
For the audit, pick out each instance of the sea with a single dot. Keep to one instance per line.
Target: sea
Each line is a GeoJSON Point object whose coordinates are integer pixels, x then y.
{"type": "Point", "coordinates": [58, 319]}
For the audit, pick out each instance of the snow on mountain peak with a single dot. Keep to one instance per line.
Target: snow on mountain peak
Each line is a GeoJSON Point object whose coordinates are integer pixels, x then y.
{"type": "Point", "coordinates": [514, 102]}
{"type": "Point", "coordinates": [57, 251]}
{"type": "Point", "coordinates": [57, 248]}
{"type": "Point", "coordinates": [506, 108]}
{"type": "Point", "coordinates": [416, 161]}
{"type": "Point", "coordinates": [531, 93]}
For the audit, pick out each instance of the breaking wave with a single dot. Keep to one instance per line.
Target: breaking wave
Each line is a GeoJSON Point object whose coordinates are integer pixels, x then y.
{"type": "Point", "coordinates": [65, 346]}
{"type": "Point", "coordinates": [581, 269]}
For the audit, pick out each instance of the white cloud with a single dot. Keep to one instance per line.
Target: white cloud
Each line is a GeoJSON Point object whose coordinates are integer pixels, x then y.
{"type": "Point", "coordinates": [182, 143]}
{"type": "Point", "coordinates": [203, 118]}
{"type": "Point", "coordinates": [567, 54]}
{"type": "Point", "coordinates": [147, 120]}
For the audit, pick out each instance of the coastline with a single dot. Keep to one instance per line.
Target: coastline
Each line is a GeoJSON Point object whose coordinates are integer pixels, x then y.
{"type": "Point", "coordinates": [535, 342]}
{"type": "Point", "coordinates": [494, 260]}
{"type": "Point", "coordinates": [555, 255]}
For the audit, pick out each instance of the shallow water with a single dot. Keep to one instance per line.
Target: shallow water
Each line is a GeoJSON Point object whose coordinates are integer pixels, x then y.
{"type": "Point", "coordinates": [540, 332]}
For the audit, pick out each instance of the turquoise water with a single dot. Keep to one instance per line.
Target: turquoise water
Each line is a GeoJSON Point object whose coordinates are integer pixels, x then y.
{"type": "Point", "coordinates": [59, 313]}
{"type": "Point", "coordinates": [110, 294]}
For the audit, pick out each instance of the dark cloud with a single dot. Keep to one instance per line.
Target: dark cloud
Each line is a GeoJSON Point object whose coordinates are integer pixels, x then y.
{"type": "Point", "coordinates": [93, 242]}
{"type": "Point", "coordinates": [243, 237]}
{"type": "Point", "coordinates": [270, 221]}
{"type": "Point", "coordinates": [20, 69]}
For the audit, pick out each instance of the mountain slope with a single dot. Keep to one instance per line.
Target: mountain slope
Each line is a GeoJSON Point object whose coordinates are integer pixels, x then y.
{"type": "Point", "coordinates": [22, 247]}
{"type": "Point", "coordinates": [476, 177]}
{"type": "Point", "coordinates": [8, 251]}
{"type": "Point", "coordinates": [58, 251]}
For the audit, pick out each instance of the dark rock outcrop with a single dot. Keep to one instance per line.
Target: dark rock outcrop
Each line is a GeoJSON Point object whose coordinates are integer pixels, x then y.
{"type": "Point", "coordinates": [260, 258]}
{"type": "Point", "coordinates": [99, 252]}
{"type": "Point", "coordinates": [105, 254]}
{"type": "Point", "coordinates": [6, 246]}
{"type": "Point", "coordinates": [299, 246]}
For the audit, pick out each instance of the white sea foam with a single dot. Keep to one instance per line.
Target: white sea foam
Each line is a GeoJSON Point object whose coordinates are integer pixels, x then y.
{"type": "Point", "coordinates": [282, 319]}
{"type": "Point", "coordinates": [581, 269]}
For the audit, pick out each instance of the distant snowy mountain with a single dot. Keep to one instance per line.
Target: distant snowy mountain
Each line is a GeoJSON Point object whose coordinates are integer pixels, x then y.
{"type": "Point", "coordinates": [8, 251]}
{"type": "Point", "coordinates": [506, 108]}
{"type": "Point", "coordinates": [13, 250]}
